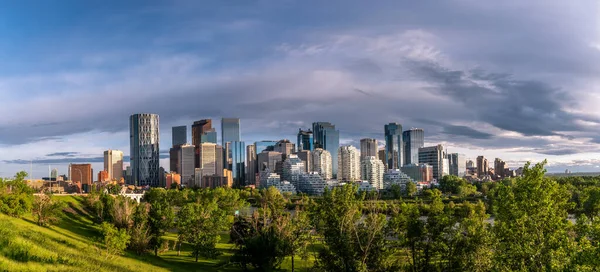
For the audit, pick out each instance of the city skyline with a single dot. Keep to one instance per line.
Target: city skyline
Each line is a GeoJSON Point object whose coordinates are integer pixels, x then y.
{"type": "Point", "coordinates": [71, 79]}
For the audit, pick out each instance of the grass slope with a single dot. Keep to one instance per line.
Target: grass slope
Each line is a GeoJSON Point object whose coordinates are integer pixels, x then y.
{"type": "Point", "coordinates": [72, 246]}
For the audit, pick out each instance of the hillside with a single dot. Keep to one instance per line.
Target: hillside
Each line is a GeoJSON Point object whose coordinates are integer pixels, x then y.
{"type": "Point", "coordinates": [72, 246]}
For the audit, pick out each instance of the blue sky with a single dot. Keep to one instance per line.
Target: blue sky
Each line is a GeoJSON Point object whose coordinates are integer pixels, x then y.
{"type": "Point", "coordinates": [509, 79]}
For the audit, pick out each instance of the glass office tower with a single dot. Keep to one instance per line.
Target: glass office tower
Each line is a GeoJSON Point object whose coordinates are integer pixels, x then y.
{"type": "Point", "coordinates": [327, 137]}
{"type": "Point", "coordinates": [305, 140]}
{"type": "Point", "coordinates": [230, 130]}
{"type": "Point", "coordinates": [413, 139]}
{"type": "Point", "coordinates": [393, 146]}
{"type": "Point", "coordinates": [145, 153]}
{"type": "Point", "coordinates": [238, 163]}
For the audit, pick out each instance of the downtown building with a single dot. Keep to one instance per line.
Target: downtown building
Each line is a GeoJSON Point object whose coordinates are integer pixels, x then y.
{"type": "Point", "coordinates": [394, 151]}
{"type": "Point", "coordinates": [293, 167]}
{"type": "Point", "coordinates": [372, 170]}
{"type": "Point", "coordinates": [328, 138]}
{"type": "Point", "coordinates": [113, 165]}
{"type": "Point", "coordinates": [348, 164]}
{"type": "Point", "coordinates": [482, 167]}
{"type": "Point", "coordinates": [412, 140]}
{"type": "Point", "coordinates": [322, 163]}
{"type": "Point", "coordinates": [81, 174]}
{"type": "Point", "coordinates": [305, 140]}
{"type": "Point", "coordinates": [144, 138]}
{"type": "Point", "coordinates": [457, 164]}
{"type": "Point", "coordinates": [368, 148]}
{"type": "Point", "coordinates": [436, 157]}
{"type": "Point", "coordinates": [186, 161]}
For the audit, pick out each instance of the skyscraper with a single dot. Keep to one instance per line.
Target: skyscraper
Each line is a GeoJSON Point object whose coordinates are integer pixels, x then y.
{"type": "Point", "coordinates": [368, 148]}
{"type": "Point", "coordinates": [186, 164]}
{"type": "Point", "coordinates": [348, 163]}
{"type": "Point", "coordinates": [457, 164]}
{"type": "Point", "coordinates": [372, 170]}
{"type": "Point", "coordinates": [327, 137]}
{"type": "Point", "coordinates": [82, 174]}
{"type": "Point", "coordinates": [436, 157]}
{"type": "Point", "coordinates": [268, 159]}
{"type": "Point", "coordinates": [305, 156]}
{"type": "Point", "coordinates": [305, 140]}
{"type": "Point", "coordinates": [113, 164]}
{"type": "Point", "coordinates": [144, 138]}
{"type": "Point", "coordinates": [482, 167]}
{"type": "Point", "coordinates": [230, 131]}
{"type": "Point", "coordinates": [381, 156]}
{"type": "Point", "coordinates": [393, 146]}
{"type": "Point", "coordinates": [179, 135]}
{"type": "Point", "coordinates": [208, 159]}
{"type": "Point", "coordinates": [322, 164]}
{"type": "Point", "coordinates": [251, 166]}
{"type": "Point", "coordinates": [499, 166]}
{"type": "Point", "coordinates": [413, 139]}
{"type": "Point", "coordinates": [285, 147]}
{"type": "Point", "coordinates": [292, 168]}
{"type": "Point", "coordinates": [199, 128]}
{"type": "Point", "coordinates": [238, 163]}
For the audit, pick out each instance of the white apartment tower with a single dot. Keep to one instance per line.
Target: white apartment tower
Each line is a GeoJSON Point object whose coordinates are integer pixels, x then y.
{"type": "Point", "coordinates": [372, 170]}
{"type": "Point", "coordinates": [321, 163]}
{"type": "Point", "coordinates": [348, 163]}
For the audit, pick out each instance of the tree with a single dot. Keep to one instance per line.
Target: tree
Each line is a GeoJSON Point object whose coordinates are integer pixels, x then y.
{"type": "Point", "coordinates": [16, 197]}
{"type": "Point", "coordinates": [531, 223]}
{"type": "Point", "coordinates": [122, 212]}
{"type": "Point", "coordinates": [298, 235]}
{"type": "Point", "coordinates": [46, 210]}
{"type": "Point", "coordinates": [115, 240]}
{"type": "Point", "coordinates": [351, 243]}
{"type": "Point", "coordinates": [590, 202]}
{"type": "Point", "coordinates": [140, 231]}
{"type": "Point", "coordinates": [161, 216]}
{"type": "Point", "coordinates": [200, 225]}
{"type": "Point", "coordinates": [411, 189]}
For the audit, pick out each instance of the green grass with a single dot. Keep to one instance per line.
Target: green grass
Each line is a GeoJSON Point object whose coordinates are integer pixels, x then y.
{"type": "Point", "coordinates": [72, 246]}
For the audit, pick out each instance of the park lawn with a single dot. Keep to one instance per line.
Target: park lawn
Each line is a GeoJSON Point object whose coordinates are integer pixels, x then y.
{"type": "Point", "coordinates": [73, 245]}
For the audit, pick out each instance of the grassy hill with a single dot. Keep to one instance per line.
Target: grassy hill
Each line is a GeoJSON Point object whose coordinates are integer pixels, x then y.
{"type": "Point", "coordinates": [72, 246]}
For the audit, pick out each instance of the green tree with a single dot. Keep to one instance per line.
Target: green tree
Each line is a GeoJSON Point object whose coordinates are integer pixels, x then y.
{"type": "Point", "coordinates": [46, 210]}
{"type": "Point", "coordinates": [298, 235]}
{"type": "Point", "coordinates": [115, 240]}
{"type": "Point", "coordinates": [140, 230]}
{"type": "Point", "coordinates": [16, 197]}
{"type": "Point", "coordinates": [161, 216]}
{"type": "Point", "coordinates": [200, 225]}
{"type": "Point", "coordinates": [531, 223]}
{"type": "Point", "coordinates": [590, 202]}
{"type": "Point", "coordinates": [411, 189]}
{"type": "Point", "coordinates": [351, 243]}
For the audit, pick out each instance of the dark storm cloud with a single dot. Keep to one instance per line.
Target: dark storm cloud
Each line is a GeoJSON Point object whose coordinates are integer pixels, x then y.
{"type": "Point", "coordinates": [529, 107]}
{"type": "Point", "coordinates": [62, 154]}
{"type": "Point", "coordinates": [466, 131]}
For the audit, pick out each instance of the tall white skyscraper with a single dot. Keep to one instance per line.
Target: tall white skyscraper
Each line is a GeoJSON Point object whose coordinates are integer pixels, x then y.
{"type": "Point", "coordinates": [348, 163]}
{"type": "Point", "coordinates": [321, 160]}
{"type": "Point", "coordinates": [208, 159]}
{"type": "Point", "coordinates": [144, 138]}
{"type": "Point", "coordinates": [186, 164]}
{"type": "Point", "coordinates": [113, 164]}
{"type": "Point", "coordinates": [372, 170]}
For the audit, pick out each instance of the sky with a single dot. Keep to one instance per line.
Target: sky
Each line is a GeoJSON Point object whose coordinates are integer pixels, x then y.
{"type": "Point", "coordinates": [517, 80]}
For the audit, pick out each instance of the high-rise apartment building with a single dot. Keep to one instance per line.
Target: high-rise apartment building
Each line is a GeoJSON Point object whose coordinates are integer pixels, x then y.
{"type": "Point", "coordinates": [179, 135]}
{"type": "Point", "coordinates": [238, 163]}
{"type": "Point", "coordinates": [394, 151]}
{"type": "Point", "coordinates": [251, 165]}
{"type": "Point", "coordinates": [412, 140]}
{"type": "Point", "coordinates": [348, 163]}
{"type": "Point", "coordinates": [322, 163]}
{"type": "Point", "coordinates": [186, 164]}
{"type": "Point", "coordinates": [230, 131]}
{"type": "Point", "coordinates": [499, 168]}
{"type": "Point", "coordinates": [381, 156]}
{"type": "Point", "coordinates": [113, 164]}
{"type": "Point", "coordinates": [436, 157]}
{"type": "Point", "coordinates": [328, 138]}
{"type": "Point", "coordinates": [482, 167]}
{"type": "Point", "coordinates": [457, 164]}
{"type": "Point", "coordinates": [368, 148]}
{"type": "Point", "coordinates": [305, 140]}
{"type": "Point", "coordinates": [372, 170]}
{"type": "Point", "coordinates": [144, 138]}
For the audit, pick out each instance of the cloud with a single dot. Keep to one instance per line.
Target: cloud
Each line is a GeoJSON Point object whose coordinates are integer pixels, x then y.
{"type": "Point", "coordinates": [62, 154]}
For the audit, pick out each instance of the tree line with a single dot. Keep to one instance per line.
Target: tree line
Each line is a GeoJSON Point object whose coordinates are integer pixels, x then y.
{"type": "Point", "coordinates": [518, 224]}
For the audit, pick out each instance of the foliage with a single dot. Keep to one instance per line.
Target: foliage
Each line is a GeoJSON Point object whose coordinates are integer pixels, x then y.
{"type": "Point", "coordinates": [115, 240]}
{"type": "Point", "coordinates": [531, 223]}
{"type": "Point", "coordinates": [161, 216]}
{"type": "Point", "coordinates": [200, 226]}
{"type": "Point", "coordinates": [46, 210]}
{"type": "Point", "coordinates": [140, 231]}
{"type": "Point", "coordinates": [16, 197]}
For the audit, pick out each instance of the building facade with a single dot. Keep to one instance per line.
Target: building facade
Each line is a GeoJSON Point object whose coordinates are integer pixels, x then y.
{"type": "Point", "coordinates": [251, 164]}
{"type": "Point", "coordinates": [368, 148]}
{"type": "Point", "coordinates": [306, 157]}
{"type": "Point", "coordinates": [179, 135]}
{"type": "Point", "coordinates": [457, 164]}
{"type": "Point", "coordinates": [230, 130]}
{"type": "Point", "coordinates": [268, 160]}
{"type": "Point", "coordinates": [208, 159]}
{"type": "Point", "coordinates": [328, 138]}
{"type": "Point", "coordinates": [436, 157]}
{"type": "Point", "coordinates": [82, 174]}
{"type": "Point", "coordinates": [293, 167]}
{"type": "Point", "coordinates": [285, 147]}
{"type": "Point", "coordinates": [394, 154]}
{"type": "Point", "coordinates": [144, 139]}
{"type": "Point", "coordinates": [305, 140]}
{"type": "Point", "coordinates": [187, 164]}
{"type": "Point", "coordinates": [238, 163]}
{"type": "Point", "coordinates": [322, 163]}
{"type": "Point", "coordinates": [372, 170]}
{"type": "Point", "coordinates": [396, 177]}
{"type": "Point", "coordinates": [113, 164]}
{"type": "Point", "coordinates": [418, 172]}
{"type": "Point", "coordinates": [348, 163]}
{"type": "Point", "coordinates": [482, 167]}
{"type": "Point", "coordinates": [199, 128]}
{"type": "Point", "coordinates": [413, 139]}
